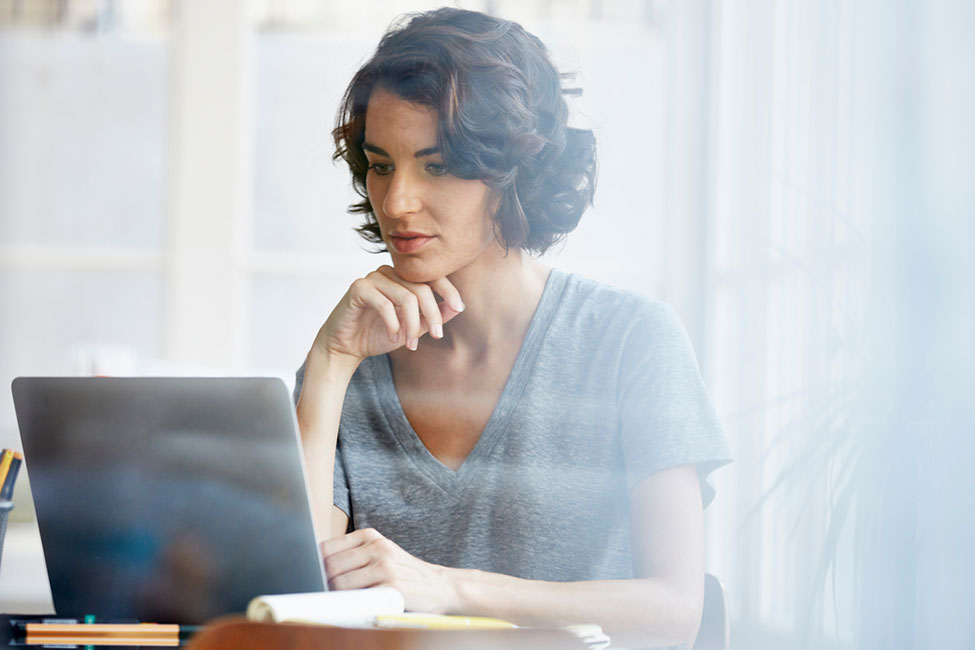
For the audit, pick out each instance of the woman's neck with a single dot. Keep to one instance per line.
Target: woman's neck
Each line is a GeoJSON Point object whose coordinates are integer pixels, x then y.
{"type": "Point", "coordinates": [500, 295]}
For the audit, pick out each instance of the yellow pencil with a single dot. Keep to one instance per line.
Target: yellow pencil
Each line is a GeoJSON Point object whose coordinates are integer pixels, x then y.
{"type": "Point", "coordinates": [8, 456]}
{"type": "Point", "coordinates": [442, 622]}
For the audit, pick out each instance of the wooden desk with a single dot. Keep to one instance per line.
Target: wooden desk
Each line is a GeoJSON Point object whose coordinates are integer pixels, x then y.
{"type": "Point", "coordinates": [235, 633]}
{"type": "Point", "coordinates": [239, 634]}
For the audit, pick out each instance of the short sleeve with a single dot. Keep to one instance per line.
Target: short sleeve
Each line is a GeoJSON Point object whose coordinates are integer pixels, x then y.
{"type": "Point", "coordinates": [666, 416]}
{"type": "Point", "coordinates": [340, 489]}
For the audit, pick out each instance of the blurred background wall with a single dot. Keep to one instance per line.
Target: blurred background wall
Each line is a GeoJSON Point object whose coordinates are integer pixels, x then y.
{"type": "Point", "coordinates": [795, 177]}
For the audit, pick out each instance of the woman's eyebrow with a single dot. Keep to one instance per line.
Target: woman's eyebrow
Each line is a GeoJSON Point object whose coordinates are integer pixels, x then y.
{"type": "Point", "coordinates": [379, 151]}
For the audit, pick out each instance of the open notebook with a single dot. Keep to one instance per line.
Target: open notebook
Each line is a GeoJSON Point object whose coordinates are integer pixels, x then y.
{"type": "Point", "coordinates": [382, 607]}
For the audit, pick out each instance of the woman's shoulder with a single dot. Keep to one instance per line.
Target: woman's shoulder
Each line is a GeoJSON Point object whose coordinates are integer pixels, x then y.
{"type": "Point", "coordinates": [592, 300]}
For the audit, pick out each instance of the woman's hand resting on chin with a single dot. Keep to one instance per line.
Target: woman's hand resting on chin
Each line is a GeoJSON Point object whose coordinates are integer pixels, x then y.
{"type": "Point", "coordinates": [382, 312]}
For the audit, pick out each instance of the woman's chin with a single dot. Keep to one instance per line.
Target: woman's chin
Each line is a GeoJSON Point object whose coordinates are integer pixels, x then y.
{"type": "Point", "coordinates": [411, 271]}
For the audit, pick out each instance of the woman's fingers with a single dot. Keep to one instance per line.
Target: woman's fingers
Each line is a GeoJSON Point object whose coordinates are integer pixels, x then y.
{"type": "Point", "coordinates": [367, 293]}
{"type": "Point", "coordinates": [364, 558]}
{"type": "Point", "coordinates": [434, 314]}
{"type": "Point", "coordinates": [404, 310]}
{"type": "Point", "coordinates": [452, 303]}
{"type": "Point", "coordinates": [360, 559]}
{"type": "Point", "coordinates": [407, 304]}
{"type": "Point", "coordinates": [429, 310]}
{"type": "Point", "coordinates": [350, 540]}
{"type": "Point", "coordinates": [341, 568]}
{"type": "Point", "coordinates": [382, 312]}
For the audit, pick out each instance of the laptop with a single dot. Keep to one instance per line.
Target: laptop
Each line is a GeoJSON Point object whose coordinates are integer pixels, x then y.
{"type": "Point", "coordinates": [169, 500]}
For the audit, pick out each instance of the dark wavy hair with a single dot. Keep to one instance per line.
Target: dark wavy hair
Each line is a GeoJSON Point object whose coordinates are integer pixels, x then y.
{"type": "Point", "coordinates": [501, 118]}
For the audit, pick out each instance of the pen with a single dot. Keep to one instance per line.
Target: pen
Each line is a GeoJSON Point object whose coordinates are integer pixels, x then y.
{"type": "Point", "coordinates": [155, 634]}
{"type": "Point", "coordinates": [442, 622]}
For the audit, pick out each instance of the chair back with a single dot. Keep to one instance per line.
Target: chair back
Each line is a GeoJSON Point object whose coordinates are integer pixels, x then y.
{"type": "Point", "coordinates": [715, 630]}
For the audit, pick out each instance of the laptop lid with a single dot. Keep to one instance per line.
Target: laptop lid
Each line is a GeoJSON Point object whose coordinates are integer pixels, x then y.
{"type": "Point", "coordinates": [167, 499]}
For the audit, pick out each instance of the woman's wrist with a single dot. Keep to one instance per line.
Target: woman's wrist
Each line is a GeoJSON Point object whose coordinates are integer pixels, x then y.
{"type": "Point", "coordinates": [332, 364]}
{"type": "Point", "coordinates": [457, 585]}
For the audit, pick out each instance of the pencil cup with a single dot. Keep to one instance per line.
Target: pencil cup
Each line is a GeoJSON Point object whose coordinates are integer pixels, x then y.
{"type": "Point", "coordinates": [5, 508]}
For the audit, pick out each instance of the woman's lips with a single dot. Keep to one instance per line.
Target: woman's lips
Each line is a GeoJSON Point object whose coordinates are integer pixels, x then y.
{"type": "Point", "coordinates": [409, 242]}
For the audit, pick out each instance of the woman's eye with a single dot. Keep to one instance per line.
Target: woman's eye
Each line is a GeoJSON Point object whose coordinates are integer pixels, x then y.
{"type": "Point", "coordinates": [380, 168]}
{"type": "Point", "coordinates": [437, 169]}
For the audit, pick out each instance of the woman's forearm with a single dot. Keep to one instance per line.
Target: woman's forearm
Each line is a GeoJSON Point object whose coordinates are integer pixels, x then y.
{"type": "Point", "coordinates": [634, 613]}
{"type": "Point", "coordinates": [319, 411]}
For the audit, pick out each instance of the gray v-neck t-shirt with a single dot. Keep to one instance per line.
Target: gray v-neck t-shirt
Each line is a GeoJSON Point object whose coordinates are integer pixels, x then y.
{"type": "Point", "coordinates": [604, 392]}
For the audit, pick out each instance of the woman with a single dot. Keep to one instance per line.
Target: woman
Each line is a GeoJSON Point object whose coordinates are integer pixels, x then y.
{"type": "Point", "coordinates": [498, 437]}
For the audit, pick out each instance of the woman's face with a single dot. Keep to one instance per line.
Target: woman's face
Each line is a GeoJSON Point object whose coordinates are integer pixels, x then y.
{"type": "Point", "coordinates": [433, 223]}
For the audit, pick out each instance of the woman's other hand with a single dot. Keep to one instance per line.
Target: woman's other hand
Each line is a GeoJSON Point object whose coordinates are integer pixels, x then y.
{"type": "Point", "coordinates": [382, 312]}
{"type": "Point", "coordinates": [364, 558]}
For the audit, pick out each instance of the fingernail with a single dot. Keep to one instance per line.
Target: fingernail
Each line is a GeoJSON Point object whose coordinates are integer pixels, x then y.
{"type": "Point", "coordinates": [457, 305]}
{"type": "Point", "coordinates": [412, 344]}
{"type": "Point", "coordinates": [437, 331]}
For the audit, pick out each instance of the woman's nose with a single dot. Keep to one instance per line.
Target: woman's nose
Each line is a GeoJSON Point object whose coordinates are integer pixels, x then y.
{"type": "Point", "coordinates": [402, 196]}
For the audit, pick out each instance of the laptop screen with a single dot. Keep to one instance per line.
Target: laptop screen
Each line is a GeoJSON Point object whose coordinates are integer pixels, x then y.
{"type": "Point", "coordinates": [168, 500]}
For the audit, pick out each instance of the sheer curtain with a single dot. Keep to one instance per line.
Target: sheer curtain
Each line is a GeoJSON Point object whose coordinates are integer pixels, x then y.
{"type": "Point", "coordinates": [839, 327]}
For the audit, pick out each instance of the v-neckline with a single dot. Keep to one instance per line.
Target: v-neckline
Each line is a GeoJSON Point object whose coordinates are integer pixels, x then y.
{"type": "Point", "coordinates": [452, 480]}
